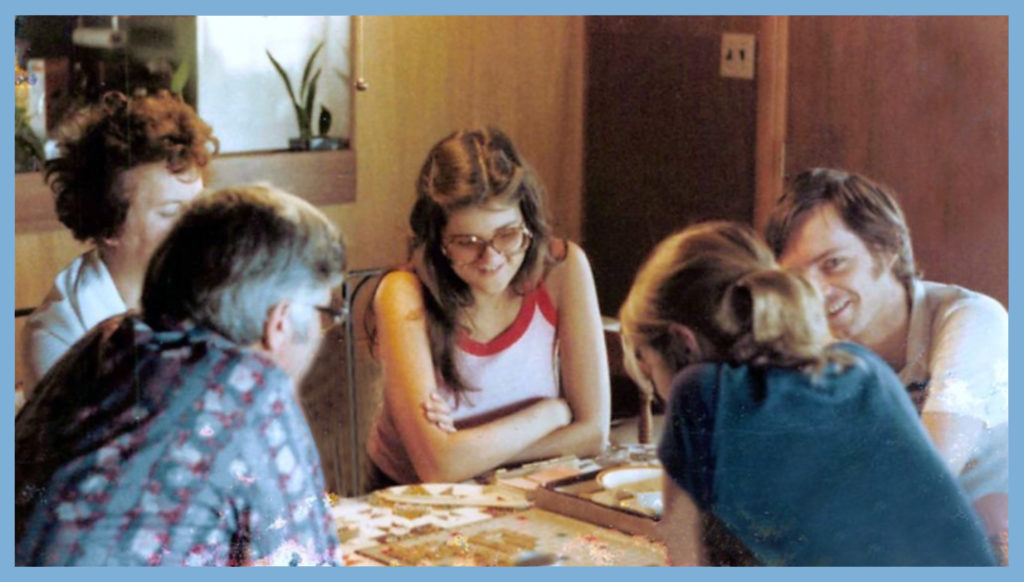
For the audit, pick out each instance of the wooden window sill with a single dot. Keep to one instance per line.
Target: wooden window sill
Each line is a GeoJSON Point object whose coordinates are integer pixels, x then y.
{"type": "Point", "coordinates": [321, 177]}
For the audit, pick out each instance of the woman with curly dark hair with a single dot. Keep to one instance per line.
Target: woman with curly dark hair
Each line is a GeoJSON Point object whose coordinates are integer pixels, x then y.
{"type": "Point", "coordinates": [128, 167]}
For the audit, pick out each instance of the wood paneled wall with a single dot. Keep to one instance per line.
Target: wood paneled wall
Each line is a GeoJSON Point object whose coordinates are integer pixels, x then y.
{"type": "Point", "coordinates": [430, 75]}
{"type": "Point", "coordinates": [919, 103]}
{"type": "Point", "coordinates": [669, 141]}
{"type": "Point", "coordinates": [427, 75]}
{"type": "Point", "coordinates": [38, 257]}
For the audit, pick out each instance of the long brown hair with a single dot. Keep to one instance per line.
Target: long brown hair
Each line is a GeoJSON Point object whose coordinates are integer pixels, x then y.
{"type": "Point", "coordinates": [469, 168]}
{"type": "Point", "coordinates": [722, 282]}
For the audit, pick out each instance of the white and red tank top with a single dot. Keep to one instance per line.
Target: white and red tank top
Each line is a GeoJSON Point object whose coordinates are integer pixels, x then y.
{"type": "Point", "coordinates": [516, 368]}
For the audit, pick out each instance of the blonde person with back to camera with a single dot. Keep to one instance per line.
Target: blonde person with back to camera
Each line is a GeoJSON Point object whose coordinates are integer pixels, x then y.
{"type": "Point", "coordinates": [781, 447]}
{"type": "Point", "coordinates": [490, 339]}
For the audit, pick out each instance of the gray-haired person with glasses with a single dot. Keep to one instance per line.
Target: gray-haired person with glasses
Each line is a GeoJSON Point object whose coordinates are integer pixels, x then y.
{"type": "Point", "coordinates": [174, 437]}
{"type": "Point", "coordinates": [490, 340]}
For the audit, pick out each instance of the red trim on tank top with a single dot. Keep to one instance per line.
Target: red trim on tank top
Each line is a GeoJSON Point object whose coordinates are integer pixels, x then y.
{"type": "Point", "coordinates": [547, 308]}
{"type": "Point", "coordinates": [515, 331]}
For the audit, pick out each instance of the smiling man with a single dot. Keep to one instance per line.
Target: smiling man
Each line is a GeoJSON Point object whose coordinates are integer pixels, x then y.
{"type": "Point", "coordinates": [847, 235]}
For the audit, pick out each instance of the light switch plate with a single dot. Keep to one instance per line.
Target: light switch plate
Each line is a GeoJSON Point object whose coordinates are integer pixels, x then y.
{"type": "Point", "coordinates": [737, 55]}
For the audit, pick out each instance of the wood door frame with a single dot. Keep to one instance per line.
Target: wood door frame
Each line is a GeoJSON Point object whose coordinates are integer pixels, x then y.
{"type": "Point", "coordinates": [770, 145]}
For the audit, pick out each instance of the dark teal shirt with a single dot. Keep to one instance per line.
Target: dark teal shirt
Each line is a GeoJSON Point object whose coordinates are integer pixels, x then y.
{"type": "Point", "coordinates": [834, 470]}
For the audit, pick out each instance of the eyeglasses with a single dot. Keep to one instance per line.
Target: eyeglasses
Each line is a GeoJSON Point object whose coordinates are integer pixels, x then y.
{"type": "Point", "coordinates": [467, 248]}
{"type": "Point", "coordinates": [331, 316]}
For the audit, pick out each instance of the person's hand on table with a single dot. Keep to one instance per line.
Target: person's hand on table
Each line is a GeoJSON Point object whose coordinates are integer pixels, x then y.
{"type": "Point", "coordinates": [438, 413]}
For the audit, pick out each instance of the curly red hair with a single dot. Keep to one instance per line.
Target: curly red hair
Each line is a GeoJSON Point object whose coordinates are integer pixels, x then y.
{"type": "Point", "coordinates": [101, 141]}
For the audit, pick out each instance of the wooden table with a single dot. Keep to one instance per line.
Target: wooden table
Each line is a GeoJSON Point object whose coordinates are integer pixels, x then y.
{"type": "Point", "coordinates": [377, 531]}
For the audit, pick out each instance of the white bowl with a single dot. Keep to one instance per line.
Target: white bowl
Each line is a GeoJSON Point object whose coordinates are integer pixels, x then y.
{"type": "Point", "coordinates": [633, 479]}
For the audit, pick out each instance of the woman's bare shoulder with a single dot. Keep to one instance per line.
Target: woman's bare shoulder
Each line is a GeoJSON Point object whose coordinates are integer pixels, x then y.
{"type": "Point", "coordinates": [568, 274]}
{"type": "Point", "coordinates": [398, 291]}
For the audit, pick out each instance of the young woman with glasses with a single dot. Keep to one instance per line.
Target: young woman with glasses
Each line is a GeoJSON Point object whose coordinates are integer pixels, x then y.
{"type": "Point", "coordinates": [781, 447]}
{"type": "Point", "coordinates": [490, 339]}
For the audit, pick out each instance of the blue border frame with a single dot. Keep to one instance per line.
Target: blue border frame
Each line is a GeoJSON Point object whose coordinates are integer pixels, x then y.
{"type": "Point", "coordinates": [522, 7]}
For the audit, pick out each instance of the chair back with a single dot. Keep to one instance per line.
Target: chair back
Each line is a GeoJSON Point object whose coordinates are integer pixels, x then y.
{"type": "Point", "coordinates": [338, 395]}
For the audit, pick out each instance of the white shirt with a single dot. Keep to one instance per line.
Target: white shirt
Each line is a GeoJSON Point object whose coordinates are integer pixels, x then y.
{"type": "Point", "coordinates": [509, 372]}
{"type": "Point", "coordinates": [958, 344]}
{"type": "Point", "coordinates": [518, 366]}
{"type": "Point", "coordinates": [83, 295]}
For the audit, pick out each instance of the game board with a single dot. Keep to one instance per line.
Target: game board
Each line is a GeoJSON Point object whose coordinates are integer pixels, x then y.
{"type": "Point", "coordinates": [500, 541]}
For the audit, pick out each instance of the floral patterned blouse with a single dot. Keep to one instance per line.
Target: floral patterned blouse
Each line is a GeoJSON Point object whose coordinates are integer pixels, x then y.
{"type": "Point", "coordinates": [171, 447]}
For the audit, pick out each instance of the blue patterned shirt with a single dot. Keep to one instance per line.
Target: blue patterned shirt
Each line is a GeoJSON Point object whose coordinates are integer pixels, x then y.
{"type": "Point", "coordinates": [171, 447]}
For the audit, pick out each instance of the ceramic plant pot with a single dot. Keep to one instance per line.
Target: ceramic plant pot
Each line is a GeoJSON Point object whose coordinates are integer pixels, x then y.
{"type": "Point", "coordinates": [317, 143]}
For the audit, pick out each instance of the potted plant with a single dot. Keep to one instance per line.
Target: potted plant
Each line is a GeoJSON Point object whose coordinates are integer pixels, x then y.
{"type": "Point", "coordinates": [304, 104]}
{"type": "Point", "coordinates": [28, 148]}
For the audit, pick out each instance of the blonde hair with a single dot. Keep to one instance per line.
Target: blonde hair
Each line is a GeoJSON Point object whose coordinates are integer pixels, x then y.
{"type": "Point", "coordinates": [719, 280]}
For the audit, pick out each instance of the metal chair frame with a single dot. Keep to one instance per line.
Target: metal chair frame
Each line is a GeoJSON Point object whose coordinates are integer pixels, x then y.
{"type": "Point", "coordinates": [351, 285]}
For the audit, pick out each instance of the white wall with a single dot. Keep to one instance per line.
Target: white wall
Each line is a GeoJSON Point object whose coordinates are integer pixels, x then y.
{"type": "Point", "coordinates": [242, 96]}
